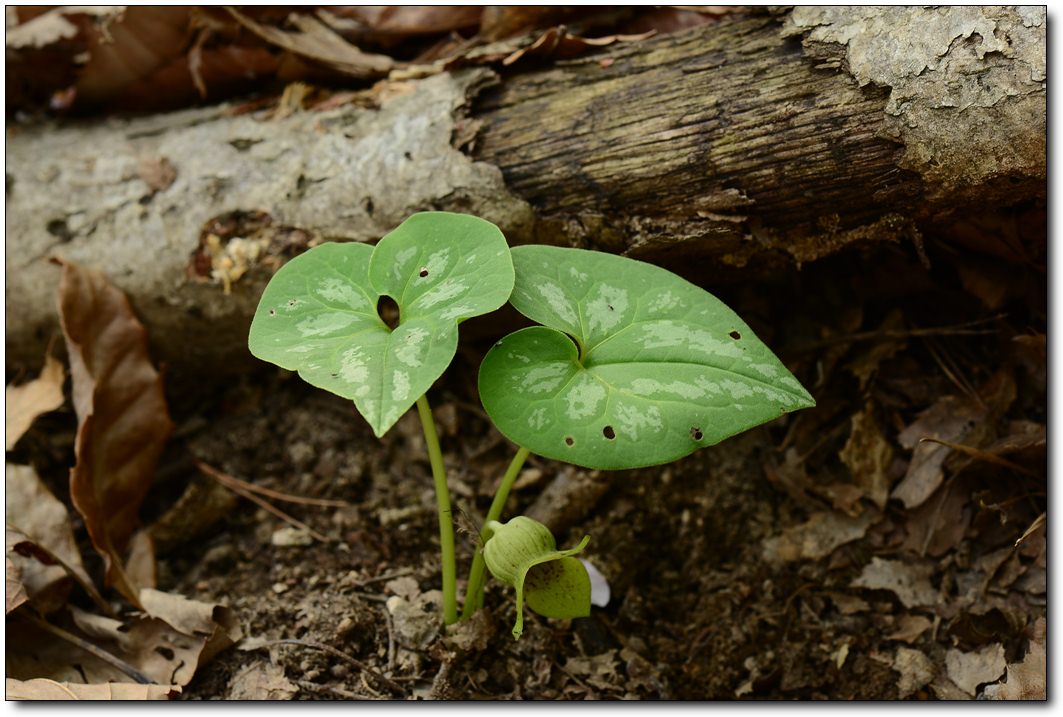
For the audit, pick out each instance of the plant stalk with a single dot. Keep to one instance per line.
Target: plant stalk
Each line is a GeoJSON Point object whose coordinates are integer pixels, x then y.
{"type": "Point", "coordinates": [474, 593]}
{"type": "Point", "coordinates": [446, 520]}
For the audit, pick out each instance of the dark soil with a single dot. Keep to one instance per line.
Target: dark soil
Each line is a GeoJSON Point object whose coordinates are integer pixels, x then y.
{"type": "Point", "coordinates": [701, 607]}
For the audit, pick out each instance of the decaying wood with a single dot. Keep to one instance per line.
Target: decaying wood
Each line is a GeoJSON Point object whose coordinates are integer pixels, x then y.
{"type": "Point", "coordinates": [762, 142]}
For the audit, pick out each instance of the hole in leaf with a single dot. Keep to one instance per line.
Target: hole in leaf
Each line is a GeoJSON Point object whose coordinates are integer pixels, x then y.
{"type": "Point", "coordinates": [696, 433]}
{"type": "Point", "coordinates": [165, 652]}
{"type": "Point", "coordinates": [272, 312]}
{"type": "Point", "coordinates": [423, 272]}
{"type": "Point", "coordinates": [388, 311]}
{"type": "Point", "coordinates": [569, 440]}
{"type": "Point", "coordinates": [609, 433]}
{"type": "Point", "coordinates": [610, 307]}
{"type": "Point", "coordinates": [735, 335]}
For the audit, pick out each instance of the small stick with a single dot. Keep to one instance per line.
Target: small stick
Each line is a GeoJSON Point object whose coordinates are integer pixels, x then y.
{"type": "Point", "coordinates": [342, 655]}
{"type": "Point", "coordinates": [286, 497]}
{"type": "Point", "coordinates": [228, 482]}
{"type": "Point", "coordinates": [87, 646]}
{"type": "Point", "coordinates": [981, 455]}
{"type": "Point", "coordinates": [1037, 523]}
{"type": "Point", "coordinates": [954, 330]}
{"type": "Point", "coordinates": [338, 691]}
{"type": "Point", "coordinates": [391, 639]}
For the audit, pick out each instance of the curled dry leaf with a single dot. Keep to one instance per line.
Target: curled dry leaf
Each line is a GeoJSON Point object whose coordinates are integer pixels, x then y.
{"type": "Point", "coordinates": [970, 669]}
{"type": "Point", "coordinates": [130, 47]}
{"type": "Point", "coordinates": [314, 40]}
{"type": "Point", "coordinates": [909, 628]}
{"type": "Point", "coordinates": [261, 681]}
{"type": "Point", "coordinates": [558, 43]}
{"type": "Point", "coordinates": [950, 419]}
{"type": "Point", "coordinates": [32, 399]}
{"type": "Point", "coordinates": [14, 591]}
{"type": "Point", "coordinates": [1026, 680]}
{"type": "Point", "coordinates": [818, 537]}
{"type": "Point", "coordinates": [34, 515]}
{"type": "Point", "coordinates": [42, 689]}
{"type": "Point", "coordinates": [171, 641]}
{"type": "Point", "coordinates": [400, 21]}
{"type": "Point", "coordinates": [909, 581]}
{"type": "Point", "coordinates": [123, 421]}
{"type": "Point", "coordinates": [868, 455]}
{"type": "Point", "coordinates": [915, 669]}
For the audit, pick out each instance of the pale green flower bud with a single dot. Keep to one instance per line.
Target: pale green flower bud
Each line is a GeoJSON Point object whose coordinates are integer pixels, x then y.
{"type": "Point", "coordinates": [517, 553]}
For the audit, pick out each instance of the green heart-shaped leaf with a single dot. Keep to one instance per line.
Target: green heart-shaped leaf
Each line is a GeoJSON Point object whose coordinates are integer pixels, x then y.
{"type": "Point", "coordinates": [662, 367]}
{"type": "Point", "coordinates": [318, 315]}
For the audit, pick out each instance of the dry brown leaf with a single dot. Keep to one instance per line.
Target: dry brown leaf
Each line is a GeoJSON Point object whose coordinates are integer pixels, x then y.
{"type": "Point", "coordinates": [39, 517]}
{"type": "Point", "coordinates": [261, 681]}
{"type": "Point", "coordinates": [670, 19]}
{"type": "Point", "coordinates": [314, 40]}
{"type": "Point", "coordinates": [950, 419]}
{"type": "Point", "coordinates": [15, 591]}
{"type": "Point", "coordinates": [848, 604]}
{"type": "Point", "coordinates": [970, 669]}
{"type": "Point", "coordinates": [130, 47]}
{"type": "Point", "coordinates": [171, 641]}
{"type": "Point", "coordinates": [42, 689]}
{"type": "Point", "coordinates": [868, 455]}
{"type": "Point", "coordinates": [915, 669]}
{"type": "Point", "coordinates": [140, 559]}
{"type": "Point", "coordinates": [816, 538]}
{"type": "Point", "coordinates": [32, 652]}
{"type": "Point", "coordinates": [909, 581]}
{"type": "Point", "coordinates": [214, 622]}
{"type": "Point", "coordinates": [123, 421]}
{"type": "Point", "coordinates": [32, 399]}
{"type": "Point", "coordinates": [1026, 680]}
{"type": "Point", "coordinates": [558, 43]}
{"type": "Point", "coordinates": [910, 628]}
{"type": "Point", "coordinates": [400, 21]}
{"type": "Point", "coordinates": [939, 524]}
{"type": "Point", "coordinates": [55, 25]}
{"type": "Point", "coordinates": [502, 21]}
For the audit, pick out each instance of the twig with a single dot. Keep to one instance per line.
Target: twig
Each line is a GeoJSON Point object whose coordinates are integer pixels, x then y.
{"type": "Point", "coordinates": [953, 330]}
{"type": "Point", "coordinates": [381, 578]}
{"type": "Point", "coordinates": [338, 691]}
{"type": "Point", "coordinates": [981, 455]}
{"type": "Point", "coordinates": [341, 655]}
{"type": "Point", "coordinates": [365, 684]}
{"type": "Point", "coordinates": [277, 495]}
{"type": "Point", "coordinates": [391, 639]}
{"type": "Point", "coordinates": [87, 646]}
{"type": "Point", "coordinates": [1037, 523]}
{"type": "Point", "coordinates": [953, 373]}
{"type": "Point", "coordinates": [230, 483]}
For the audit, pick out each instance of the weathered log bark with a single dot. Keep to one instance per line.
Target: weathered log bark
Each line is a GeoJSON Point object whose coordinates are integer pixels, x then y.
{"type": "Point", "coordinates": [755, 143]}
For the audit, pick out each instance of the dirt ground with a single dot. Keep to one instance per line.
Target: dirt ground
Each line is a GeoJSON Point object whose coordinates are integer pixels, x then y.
{"type": "Point", "coordinates": [772, 566]}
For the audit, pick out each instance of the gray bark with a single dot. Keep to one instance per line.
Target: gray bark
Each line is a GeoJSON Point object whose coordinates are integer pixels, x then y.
{"type": "Point", "coordinates": [756, 144]}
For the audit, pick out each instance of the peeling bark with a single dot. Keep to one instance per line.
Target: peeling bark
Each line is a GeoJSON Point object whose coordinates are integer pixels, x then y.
{"type": "Point", "coordinates": [754, 143]}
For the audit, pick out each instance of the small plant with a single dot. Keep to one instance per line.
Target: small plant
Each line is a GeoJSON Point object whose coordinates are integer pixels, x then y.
{"type": "Point", "coordinates": [632, 366]}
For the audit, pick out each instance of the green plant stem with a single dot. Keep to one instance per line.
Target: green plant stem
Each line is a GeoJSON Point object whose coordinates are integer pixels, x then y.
{"type": "Point", "coordinates": [474, 593]}
{"type": "Point", "coordinates": [446, 520]}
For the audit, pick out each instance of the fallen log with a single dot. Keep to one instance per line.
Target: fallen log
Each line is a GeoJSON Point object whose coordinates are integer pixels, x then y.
{"type": "Point", "coordinates": [759, 143]}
